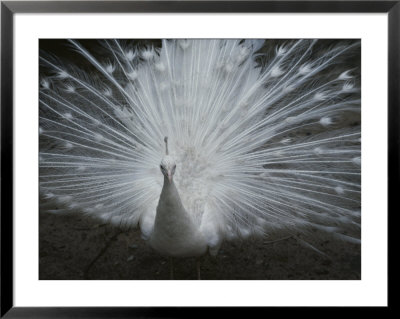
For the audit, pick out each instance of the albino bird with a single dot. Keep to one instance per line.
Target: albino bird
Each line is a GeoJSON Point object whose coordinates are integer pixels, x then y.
{"type": "Point", "coordinates": [202, 141]}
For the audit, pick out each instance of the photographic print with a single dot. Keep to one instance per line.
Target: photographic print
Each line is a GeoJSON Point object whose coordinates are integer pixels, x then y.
{"type": "Point", "coordinates": [212, 159]}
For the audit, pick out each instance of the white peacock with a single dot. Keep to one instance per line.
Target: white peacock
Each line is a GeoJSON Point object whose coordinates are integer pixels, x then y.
{"type": "Point", "coordinates": [258, 140]}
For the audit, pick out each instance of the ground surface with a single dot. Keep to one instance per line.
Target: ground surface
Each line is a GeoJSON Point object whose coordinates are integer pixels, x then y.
{"type": "Point", "coordinates": [72, 247]}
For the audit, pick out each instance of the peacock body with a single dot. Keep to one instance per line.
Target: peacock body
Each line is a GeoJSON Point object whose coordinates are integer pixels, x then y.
{"type": "Point", "coordinates": [263, 138]}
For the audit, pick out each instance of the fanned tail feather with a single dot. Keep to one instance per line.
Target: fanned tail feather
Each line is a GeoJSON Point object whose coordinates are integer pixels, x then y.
{"type": "Point", "coordinates": [266, 135]}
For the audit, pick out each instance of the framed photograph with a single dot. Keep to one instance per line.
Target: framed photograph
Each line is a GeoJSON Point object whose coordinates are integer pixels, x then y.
{"type": "Point", "coordinates": [166, 157]}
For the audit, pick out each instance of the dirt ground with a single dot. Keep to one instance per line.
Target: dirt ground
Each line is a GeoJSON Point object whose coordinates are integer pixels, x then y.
{"type": "Point", "coordinates": [72, 247]}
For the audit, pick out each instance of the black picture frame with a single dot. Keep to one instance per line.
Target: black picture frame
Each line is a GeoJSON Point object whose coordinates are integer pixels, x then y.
{"type": "Point", "coordinates": [9, 8]}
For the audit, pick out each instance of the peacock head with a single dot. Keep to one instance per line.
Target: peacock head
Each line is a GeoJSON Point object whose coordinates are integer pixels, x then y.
{"type": "Point", "coordinates": [168, 164]}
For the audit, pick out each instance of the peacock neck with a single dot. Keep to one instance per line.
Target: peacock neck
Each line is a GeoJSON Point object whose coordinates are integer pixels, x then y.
{"type": "Point", "coordinates": [170, 199]}
{"type": "Point", "coordinates": [174, 232]}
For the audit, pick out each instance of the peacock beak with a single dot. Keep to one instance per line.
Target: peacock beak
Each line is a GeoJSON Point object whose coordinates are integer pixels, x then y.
{"type": "Point", "coordinates": [170, 177]}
